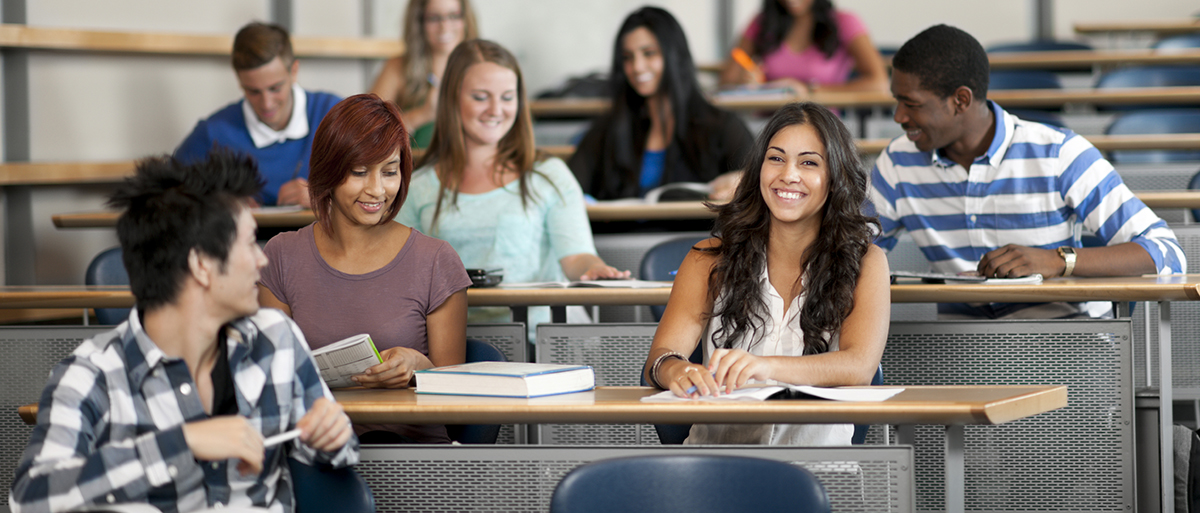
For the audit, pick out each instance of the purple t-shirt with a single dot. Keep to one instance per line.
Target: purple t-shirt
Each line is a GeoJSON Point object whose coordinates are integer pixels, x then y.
{"type": "Point", "coordinates": [390, 303]}
{"type": "Point", "coordinates": [811, 65]}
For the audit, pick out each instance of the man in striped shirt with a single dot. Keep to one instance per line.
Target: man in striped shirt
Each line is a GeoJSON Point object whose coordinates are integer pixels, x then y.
{"type": "Point", "coordinates": [981, 190]}
{"type": "Point", "coordinates": [171, 408]}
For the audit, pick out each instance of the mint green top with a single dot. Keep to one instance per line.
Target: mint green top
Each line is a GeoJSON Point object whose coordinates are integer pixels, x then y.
{"type": "Point", "coordinates": [492, 230]}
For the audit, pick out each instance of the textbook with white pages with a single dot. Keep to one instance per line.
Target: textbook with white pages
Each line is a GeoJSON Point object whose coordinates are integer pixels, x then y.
{"type": "Point", "coordinates": [610, 284]}
{"type": "Point", "coordinates": [506, 379]}
{"type": "Point", "coordinates": [345, 358]}
{"type": "Point", "coordinates": [761, 393]}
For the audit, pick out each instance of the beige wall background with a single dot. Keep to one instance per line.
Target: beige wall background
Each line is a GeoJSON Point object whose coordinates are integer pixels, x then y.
{"type": "Point", "coordinates": [118, 107]}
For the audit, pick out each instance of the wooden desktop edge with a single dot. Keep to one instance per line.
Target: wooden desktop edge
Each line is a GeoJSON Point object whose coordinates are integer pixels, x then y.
{"type": "Point", "coordinates": [622, 404]}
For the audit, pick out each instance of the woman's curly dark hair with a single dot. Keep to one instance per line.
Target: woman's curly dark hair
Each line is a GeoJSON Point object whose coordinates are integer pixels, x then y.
{"type": "Point", "coordinates": [831, 265]}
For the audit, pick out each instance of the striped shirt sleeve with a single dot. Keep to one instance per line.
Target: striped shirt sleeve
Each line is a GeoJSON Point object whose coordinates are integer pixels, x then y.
{"type": "Point", "coordinates": [1105, 206]}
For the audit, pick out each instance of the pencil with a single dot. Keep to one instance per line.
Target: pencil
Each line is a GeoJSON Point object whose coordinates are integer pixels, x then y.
{"type": "Point", "coordinates": [743, 59]}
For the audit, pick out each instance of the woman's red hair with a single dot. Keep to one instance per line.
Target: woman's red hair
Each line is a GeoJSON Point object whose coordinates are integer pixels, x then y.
{"type": "Point", "coordinates": [360, 131]}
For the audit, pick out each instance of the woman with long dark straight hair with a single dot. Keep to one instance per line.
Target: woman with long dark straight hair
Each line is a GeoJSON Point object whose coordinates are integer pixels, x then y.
{"type": "Point", "coordinates": [807, 45]}
{"type": "Point", "coordinates": [356, 271]}
{"type": "Point", "coordinates": [789, 290]}
{"type": "Point", "coordinates": [660, 129]}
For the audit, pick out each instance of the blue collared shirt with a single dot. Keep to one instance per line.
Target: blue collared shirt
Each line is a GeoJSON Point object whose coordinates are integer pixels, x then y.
{"type": "Point", "coordinates": [110, 423]}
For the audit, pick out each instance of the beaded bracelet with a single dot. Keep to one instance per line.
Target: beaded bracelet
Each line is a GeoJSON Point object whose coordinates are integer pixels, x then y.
{"type": "Point", "coordinates": [658, 363]}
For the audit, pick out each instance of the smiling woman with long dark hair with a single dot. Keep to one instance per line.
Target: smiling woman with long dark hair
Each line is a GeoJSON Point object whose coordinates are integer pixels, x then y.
{"type": "Point", "coordinates": [789, 290]}
{"type": "Point", "coordinates": [661, 129]}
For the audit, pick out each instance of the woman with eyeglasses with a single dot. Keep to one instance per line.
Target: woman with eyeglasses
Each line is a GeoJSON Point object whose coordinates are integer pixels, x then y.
{"type": "Point", "coordinates": [432, 28]}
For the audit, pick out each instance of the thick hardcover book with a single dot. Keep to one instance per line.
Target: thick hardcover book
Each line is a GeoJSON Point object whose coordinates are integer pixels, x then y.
{"type": "Point", "coordinates": [506, 379]}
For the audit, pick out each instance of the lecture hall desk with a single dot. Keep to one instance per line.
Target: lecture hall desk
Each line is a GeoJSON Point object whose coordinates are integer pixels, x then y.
{"type": "Point", "coordinates": [676, 210]}
{"type": "Point", "coordinates": [950, 406]}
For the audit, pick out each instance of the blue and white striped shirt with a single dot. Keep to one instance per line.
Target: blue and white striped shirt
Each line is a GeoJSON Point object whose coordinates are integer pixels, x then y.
{"type": "Point", "coordinates": [1031, 187]}
{"type": "Point", "coordinates": [110, 423]}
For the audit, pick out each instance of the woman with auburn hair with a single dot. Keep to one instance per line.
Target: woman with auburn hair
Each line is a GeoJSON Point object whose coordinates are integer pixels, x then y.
{"type": "Point", "coordinates": [432, 28]}
{"type": "Point", "coordinates": [356, 271]}
{"type": "Point", "coordinates": [660, 129]}
{"type": "Point", "coordinates": [485, 189]}
{"type": "Point", "coordinates": [789, 289]}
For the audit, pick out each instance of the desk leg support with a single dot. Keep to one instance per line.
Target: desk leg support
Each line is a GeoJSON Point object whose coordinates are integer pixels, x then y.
{"type": "Point", "coordinates": [955, 470]}
{"type": "Point", "coordinates": [1166, 422]}
{"type": "Point", "coordinates": [558, 314]}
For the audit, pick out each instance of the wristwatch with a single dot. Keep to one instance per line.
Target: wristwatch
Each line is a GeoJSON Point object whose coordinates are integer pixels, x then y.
{"type": "Point", "coordinates": [1068, 255]}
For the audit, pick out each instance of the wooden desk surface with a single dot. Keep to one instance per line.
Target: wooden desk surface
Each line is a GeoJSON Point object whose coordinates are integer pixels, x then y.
{"type": "Point", "coordinates": [1155, 288]}
{"type": "Point", "coordinates": [49, 38]}
{"type": "Point", "coordinates": [1085, 59]}
{"type": "Point", "coordinates": [944, 405]}
{"type": "Point", "coordinates": [600, 212]}
{"type": "Point", "coordinates": [950, 405]}
{"type": "Point", "coordinates": [1007, 98]}
{"type": "Point", "coordinates": [1174, 26]}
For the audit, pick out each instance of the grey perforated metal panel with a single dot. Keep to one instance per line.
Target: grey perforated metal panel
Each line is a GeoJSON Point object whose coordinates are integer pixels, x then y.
{"type": "Point", "coordinates": [1185, 329]}
{"type": "Point", "coordinates": [29, 354]}
{"type": "Point", "coordinates": [1078, 458]}
{"type": "Point", "coordinates": [509, 338]}
{"type": "Point", "coordinates": [518, 479]}
{"type": "Point", "coordinates": [1160, 177]}
{"type": "Point", "coordinates": [907, 256]}
{"type": "Point", "coordinates": [616, 353]}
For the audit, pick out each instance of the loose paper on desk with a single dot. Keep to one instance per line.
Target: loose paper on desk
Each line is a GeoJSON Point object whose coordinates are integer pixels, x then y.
{"type": "Point", "coordinates": [608, 284]}
{"type": "Point", "coordinates": [345, 358]}
{"type": "Point", "coordinates": [761, 393]}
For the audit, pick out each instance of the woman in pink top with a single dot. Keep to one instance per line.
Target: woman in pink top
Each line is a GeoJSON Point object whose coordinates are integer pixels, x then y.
{"type": "Point", "coordinates": [807, 45]}
{"type": "Point", "coordinates": [355, 270]}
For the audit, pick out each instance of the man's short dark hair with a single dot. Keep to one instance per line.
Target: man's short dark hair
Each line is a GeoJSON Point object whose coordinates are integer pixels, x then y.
{"type": "Point", "coordinates": [944, 58]}
{"type": "Point", "coordinates": [257, 43]}
{"type": "Point", "coordinates": [170, 209]}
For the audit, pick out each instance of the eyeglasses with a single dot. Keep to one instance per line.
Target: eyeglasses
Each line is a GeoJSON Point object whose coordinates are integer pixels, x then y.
{"type": "Point", "coordinates": [434, 19]}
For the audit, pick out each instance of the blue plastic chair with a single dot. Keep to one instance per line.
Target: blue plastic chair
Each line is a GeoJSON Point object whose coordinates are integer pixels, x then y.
{"type": "Point", "coordinates": [1180, 42]}
{"type": "Point", "coordinates": [1148, 76]}
{"type": "Point", "coordinates": [662, 260]}
{"type": "Point", "coordinates": [477, 351]}
{"type": "Point", "coordinates": [322, 489]}
{"type": "Point", "coordinates": [1194, 184]}
{"type": "Point", "coordinates": [1029, 79]}
{"type": "Point", "coordinates": [1038, 45]}
{"type": "Point", "coordinates": [107, 268]}
{"type": "Point", "coordinates": [1156, 121]}
{"type": "Point", "coordinates": [689, 483]}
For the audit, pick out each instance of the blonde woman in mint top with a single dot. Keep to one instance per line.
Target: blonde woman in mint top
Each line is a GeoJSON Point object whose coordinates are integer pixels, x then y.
{"type": "Point", "coordinates": [356, 271]}
{"type": "Point", "coordinates": [483, 187]}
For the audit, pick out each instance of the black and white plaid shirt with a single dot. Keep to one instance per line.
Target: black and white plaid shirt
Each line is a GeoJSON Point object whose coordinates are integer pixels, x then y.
{"type": "Point", "coordinates": [110, 423]}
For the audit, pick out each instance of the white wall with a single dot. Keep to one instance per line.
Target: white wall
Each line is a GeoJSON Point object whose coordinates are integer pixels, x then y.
{"type": "Point", "coordinates": [117, 107]}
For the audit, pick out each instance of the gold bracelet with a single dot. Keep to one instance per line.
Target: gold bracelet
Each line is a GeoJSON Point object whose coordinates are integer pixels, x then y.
{"type": "Point", "coordinates": [658, 363]}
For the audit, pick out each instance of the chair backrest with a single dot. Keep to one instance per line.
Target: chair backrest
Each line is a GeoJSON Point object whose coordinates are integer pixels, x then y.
{"type": "Point", "coordinates": [1180, 42]}
{"type": "Point", "coordinates": [1148, 76]}
{"type": "Point", "coordinates": [1194, 184]}
{"type": "Point", "coordinates": [689, 483]}
{"type": "Point", "coordinates": [107, 268]}
{"type": "Point", "coordinates": [1038, 46]}
{"type": "Point", "coordinates": [1023, 79]}
{"type": "Point", "coordinates": [662, 260]}
{"type": "Point", "coordinates": [318, 489]}
{"type": "Point", "coordinates": [477, 351]}
{"type": "Point", "coordinates": [1155, 121]}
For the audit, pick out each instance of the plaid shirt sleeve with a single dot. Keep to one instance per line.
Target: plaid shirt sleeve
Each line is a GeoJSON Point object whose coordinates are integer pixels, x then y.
{"type": "Point", "coordinates": [307, 387]}
{"type": "Point", "coordinates": [64, 468]}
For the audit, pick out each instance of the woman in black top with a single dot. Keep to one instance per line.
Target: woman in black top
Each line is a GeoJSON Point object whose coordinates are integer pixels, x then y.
{"type": "Point", "coordinates": [660, 129]}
